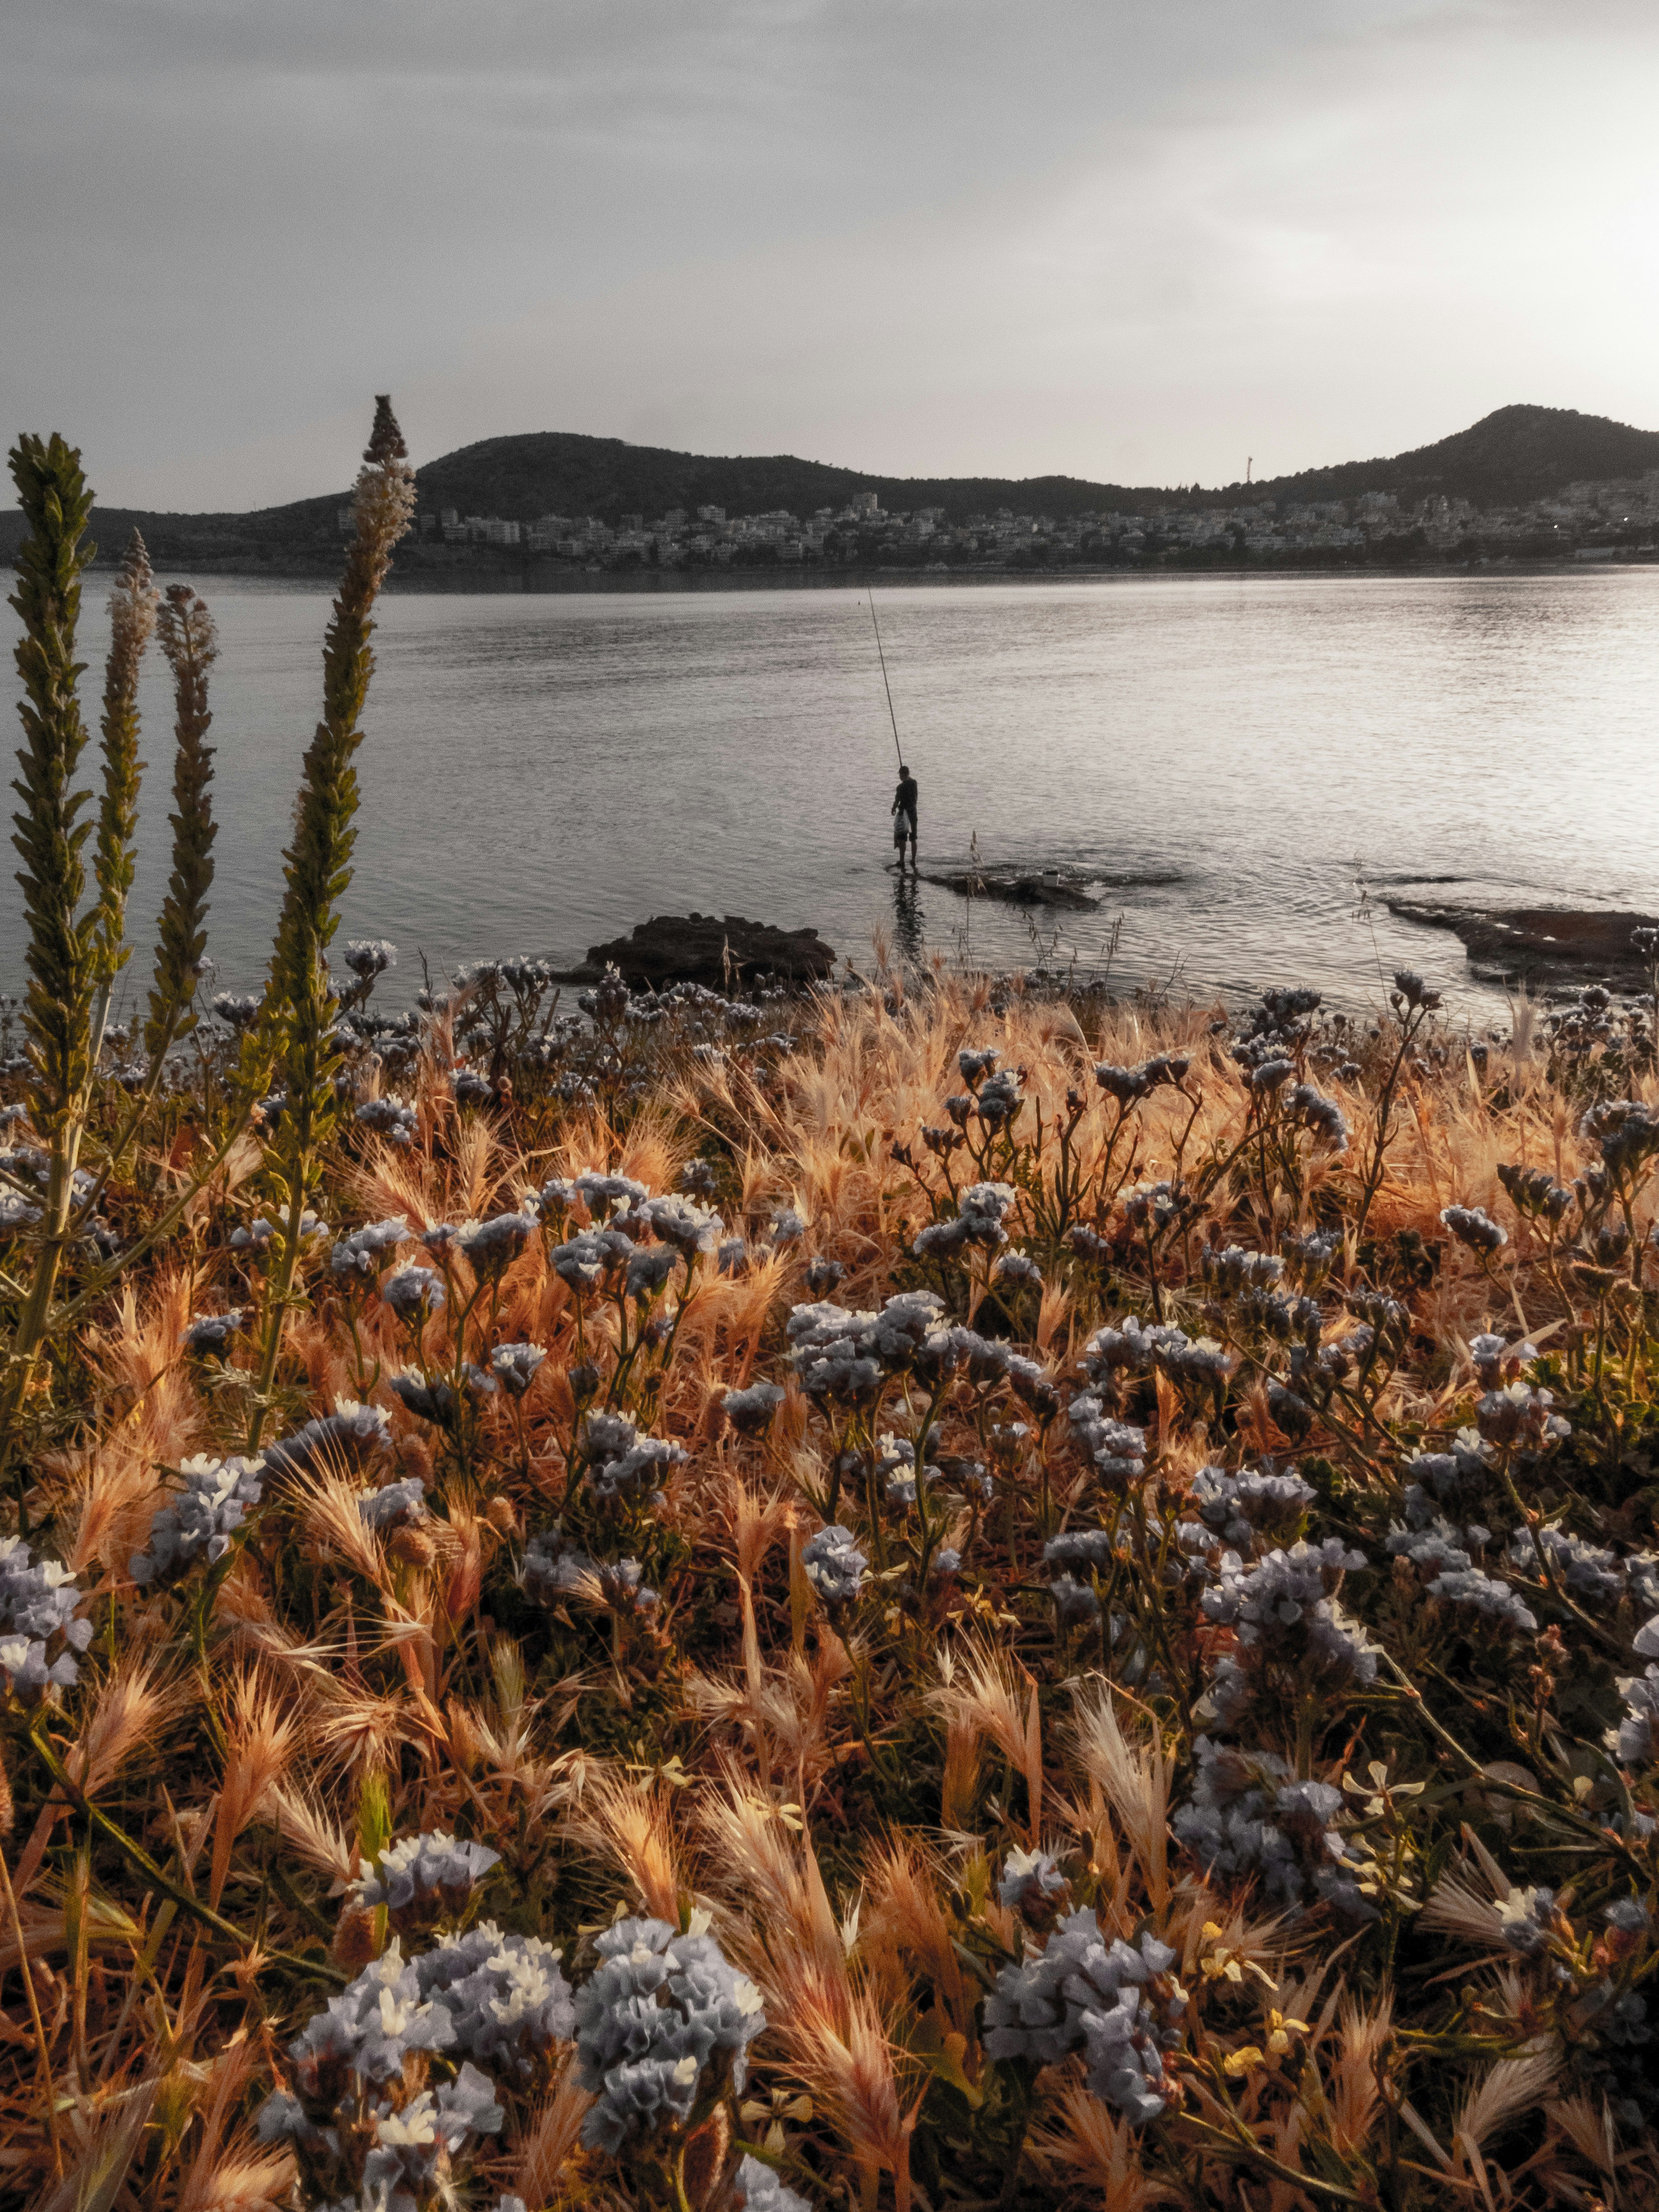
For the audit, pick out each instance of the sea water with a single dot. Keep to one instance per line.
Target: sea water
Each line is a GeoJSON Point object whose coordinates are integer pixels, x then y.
{"type": "Point", "coordinates": [1244, 770]}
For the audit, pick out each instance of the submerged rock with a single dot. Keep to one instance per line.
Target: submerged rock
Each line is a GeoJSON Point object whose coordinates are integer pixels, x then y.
{"type": "Point", "coordinates": [1018, 886]}
{"type": "Point", "coordinates": [1539, 945]}
{"type": "Point", "coordinates": [717, 951]}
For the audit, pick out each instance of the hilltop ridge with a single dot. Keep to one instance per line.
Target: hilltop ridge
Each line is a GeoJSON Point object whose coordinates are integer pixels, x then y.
{"type": "Point", "coordinates": [1517, 454]}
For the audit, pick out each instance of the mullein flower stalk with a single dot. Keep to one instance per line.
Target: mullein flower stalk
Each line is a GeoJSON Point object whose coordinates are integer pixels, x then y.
{"type": "Point", "coordinates": [300, 1005]}
{"type": "Point", "coordinates": [55, 501]}
{"type": "Point", "coordinates": [192, 646]}
{"type": "Point", "coordinates": [132, 604]}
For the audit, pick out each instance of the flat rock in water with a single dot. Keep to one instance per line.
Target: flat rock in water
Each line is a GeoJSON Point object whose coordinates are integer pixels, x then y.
{"type": "Point", "coordinates": [1539, 945]}
{"type": "Point", "coordinates": [714, 949]}
{"type": "Point", "coordinates": [1018, 886]}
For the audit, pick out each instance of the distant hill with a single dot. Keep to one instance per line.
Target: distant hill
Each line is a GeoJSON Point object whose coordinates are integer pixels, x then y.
{"type": "Point", "coordinates": [1517, 455]}
{"type": "Point", "coordinates": [1505, 459]}
{"type": "Point", "coordinates": [556, 472]}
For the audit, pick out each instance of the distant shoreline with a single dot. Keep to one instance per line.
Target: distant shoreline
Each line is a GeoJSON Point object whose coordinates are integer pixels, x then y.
{"type": "Point", "coordinates": [511, 581]}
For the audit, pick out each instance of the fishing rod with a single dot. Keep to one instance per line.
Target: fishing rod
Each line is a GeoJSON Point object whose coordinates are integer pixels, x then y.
{"type": "Point", "coordinates": [886, 685]}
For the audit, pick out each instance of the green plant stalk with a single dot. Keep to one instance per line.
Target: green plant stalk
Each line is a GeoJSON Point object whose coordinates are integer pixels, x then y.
{"type": "Point", "coordinates": [55, 502]}
{"type": "Point", "coordinates": [299, 1006]}
{"type": "Point", "coordinates": [132, 604]}
{"type": "Point", "coordinates": [189, 640]}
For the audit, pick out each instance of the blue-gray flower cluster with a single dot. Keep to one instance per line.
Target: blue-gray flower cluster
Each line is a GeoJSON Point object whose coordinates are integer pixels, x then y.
{"type": "Point", "coordinates": [1480, 1593]}
{"type": "Point", "coordinates": [209, 1335]}
{"type": "Point", "coordinates": [1031, 1883]}
{"type": "Point", "coordinates": [751, 1411]}
{"type": "Point", "coordinates": [1080, 1992]}
{"type": "Point", "coordinates": [843, 1359]}
{"type": "Point", "coordinates": [412, 1291]}
{"type": "Point", "coordinates": [551, 1575]}
{"type": "Point", "coordinates": [389, 1118]}
{"type": "Point", "coordinates": [1237, 1505]}
{"type": "Point", "coordinates": [394, 1505]}
{"type": "Point", "coordinates": [1117, 1449]}
{"type": "Point", "coordinates": [1589, 1571]}
{"type": "Point", "coordinates": [213, 1503]}
{"type": "Point", "coordinates": [660, 2012]}
{"type": "Point", "coordinates": [361, 1253]}
{"type": "Point", "coordinates": [259, 1235]}
{"type": "Point", "coordinates": [1232, 1269]}
{"type": "Point", "coordinates": [490, 1246]}
{"type": "Point", "coordinates": [624, 1463]}
{"type": "Point", "coordinates": [835, 1565]}
{"type": "Point", "coordinates": [514, 1366]}
{"type": "Point", "coordinates": [1284, 1607]}
{"type": "Point", "coordinates": [368, 956]}
{"type": "Point", "coordinates": [593, 1259]}
{"type": "Point", "coordinates": [1321, 1115]}
{"type": "Point", "coordinates": [362, 1428]}
{"type": "Point", "coordinates": [1246, 1820]}
{"type": "Point", "coordinates": [686, 1226]}
{"type": "Point", "coordinates": [980, 1211]}
{"type": "Point", "coordinates": [1635, 1740]}
{"type": "Point", "coordinates": [38, 1632]}
{"type": "Point", "coordinates": [507, 1995]}
{"type": "Point", "coordinates": [1474, 1226]}
{"type": "Point", "coordinates": [424, 1878]}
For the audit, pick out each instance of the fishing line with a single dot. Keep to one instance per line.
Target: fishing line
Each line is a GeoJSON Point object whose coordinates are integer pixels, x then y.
{"type": "Point", "coordinates": [886, 685]}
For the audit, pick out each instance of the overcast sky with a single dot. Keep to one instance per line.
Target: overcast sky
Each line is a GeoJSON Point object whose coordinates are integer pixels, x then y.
{"type": "Point", "coordinates": [1130, 239]}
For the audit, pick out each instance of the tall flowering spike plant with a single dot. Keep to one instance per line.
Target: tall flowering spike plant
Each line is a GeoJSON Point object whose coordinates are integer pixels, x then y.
{"type": "Point", "coordinates": [49, 836]}
{"type": "Point", "coordinates": [192, 646]}
{"type": "Point", "coordinates": [300, 1005]}
{"type": "Point", "coordinates": [133, 601]}
{"type": "Point", "coordinates": [317, 865]}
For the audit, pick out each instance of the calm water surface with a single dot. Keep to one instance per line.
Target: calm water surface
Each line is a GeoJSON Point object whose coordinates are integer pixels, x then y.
{"type": "Point", "coordinates": [1224, 757]}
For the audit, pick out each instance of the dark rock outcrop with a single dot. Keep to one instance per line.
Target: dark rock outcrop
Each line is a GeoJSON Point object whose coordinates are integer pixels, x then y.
{"type": "Point", "coordinates": [1015, 886]}
{"type": "Point", "coordinates": [1539, 946]}
{"type": "Point", "coordinates": [718, 951]}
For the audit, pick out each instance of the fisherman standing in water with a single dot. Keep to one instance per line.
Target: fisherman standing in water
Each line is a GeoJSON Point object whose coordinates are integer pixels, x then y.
{"type": "Point", "coordinates": [904, 817]}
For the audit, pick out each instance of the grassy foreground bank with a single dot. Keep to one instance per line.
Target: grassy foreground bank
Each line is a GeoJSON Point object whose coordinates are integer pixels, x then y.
{"type": "Point", "coordinates": [926, 1597]}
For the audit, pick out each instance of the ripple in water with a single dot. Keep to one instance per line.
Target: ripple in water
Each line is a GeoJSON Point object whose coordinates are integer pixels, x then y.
{"type": "Point", "coordinates": [1221, 758]}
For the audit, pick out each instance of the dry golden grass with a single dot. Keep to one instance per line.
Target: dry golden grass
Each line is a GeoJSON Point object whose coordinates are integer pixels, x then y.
{"type": "Point", "coordinates": [843, 1793]}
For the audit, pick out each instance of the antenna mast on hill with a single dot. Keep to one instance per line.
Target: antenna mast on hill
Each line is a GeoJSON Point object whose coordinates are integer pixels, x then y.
{"type": "Point", "coordinates": [1249, 466]}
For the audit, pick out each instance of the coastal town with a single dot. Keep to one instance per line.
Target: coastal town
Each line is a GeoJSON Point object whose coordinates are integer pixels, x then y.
{"type": "Point", "coordinates": [1584, 522]}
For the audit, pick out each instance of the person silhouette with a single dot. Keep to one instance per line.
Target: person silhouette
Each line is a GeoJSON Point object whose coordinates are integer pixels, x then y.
{"type": "Point", "coordinates": [904, 815]}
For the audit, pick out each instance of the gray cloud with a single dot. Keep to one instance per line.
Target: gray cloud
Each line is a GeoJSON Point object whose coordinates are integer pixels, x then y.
{"type": "Point", "coordinates": [937, 234]}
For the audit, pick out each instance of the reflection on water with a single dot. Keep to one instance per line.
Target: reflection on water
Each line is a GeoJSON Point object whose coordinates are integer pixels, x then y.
{"type": "Point", "coordinates": [1223, 757]}
{"type": "Point", "coordinates": [910, 941]}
